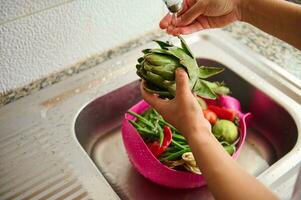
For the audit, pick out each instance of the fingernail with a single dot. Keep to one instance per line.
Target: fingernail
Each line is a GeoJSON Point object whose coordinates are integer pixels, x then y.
{"type": "Point", "coordinates": [180, 70]}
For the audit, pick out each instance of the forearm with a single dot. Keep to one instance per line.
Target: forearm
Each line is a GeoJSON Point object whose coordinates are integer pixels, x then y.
{"type": "Point", "coordinates": [276, 17]}
{"type": "Point", "coordinates": [223, 175]}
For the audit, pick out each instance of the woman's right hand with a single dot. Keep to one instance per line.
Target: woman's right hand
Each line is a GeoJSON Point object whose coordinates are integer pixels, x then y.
{"type": "Point", "coordinates": [183, 112]}
{"type": "Point", "coordinates": [202, 14]}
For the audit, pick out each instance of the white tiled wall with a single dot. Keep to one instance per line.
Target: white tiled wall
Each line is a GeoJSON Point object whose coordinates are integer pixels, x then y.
{"type": "Point", "coordinates": [39, 37]}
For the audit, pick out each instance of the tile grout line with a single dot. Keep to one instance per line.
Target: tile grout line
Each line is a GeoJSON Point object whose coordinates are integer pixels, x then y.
{"type": "Point", "coordinates": [36, 12]}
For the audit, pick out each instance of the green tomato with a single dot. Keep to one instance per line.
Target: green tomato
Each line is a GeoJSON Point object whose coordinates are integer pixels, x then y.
{"type": "Point", "coordinates": [225, 130]}
{"type": "Point", "coordinates": [230, 149]}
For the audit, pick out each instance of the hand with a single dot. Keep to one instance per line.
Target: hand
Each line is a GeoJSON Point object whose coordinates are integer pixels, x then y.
{"type": "Point", "coordinates": [183, 111]}
{"type": "Point", "coordinates": [202, 14]}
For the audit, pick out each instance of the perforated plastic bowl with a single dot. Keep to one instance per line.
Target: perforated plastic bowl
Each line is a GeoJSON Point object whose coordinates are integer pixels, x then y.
{"type": "Point", "coordinates": [150, 167]}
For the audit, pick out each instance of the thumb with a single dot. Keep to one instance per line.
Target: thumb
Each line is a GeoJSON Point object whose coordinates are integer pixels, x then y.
{"type": "Point", "coordinates": [152, 99]}
{"type": "Point", "coordinates": [182, 83]}
{"type": "Point", "coordinates": [191, 14]}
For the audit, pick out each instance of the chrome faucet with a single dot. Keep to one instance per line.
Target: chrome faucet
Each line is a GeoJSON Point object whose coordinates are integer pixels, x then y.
{"type": "Point", "coordinates": [173, 6]}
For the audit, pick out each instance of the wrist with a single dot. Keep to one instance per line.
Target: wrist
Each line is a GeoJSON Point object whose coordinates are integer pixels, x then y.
{"type": "Point", "coordinates": [201, 133]}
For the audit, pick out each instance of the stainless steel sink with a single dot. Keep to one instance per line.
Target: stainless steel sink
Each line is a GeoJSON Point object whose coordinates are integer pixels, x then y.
{"type": "Point", "coordinates": [272, 134]}
{"type": "Point", "coordinates": [64, 141]}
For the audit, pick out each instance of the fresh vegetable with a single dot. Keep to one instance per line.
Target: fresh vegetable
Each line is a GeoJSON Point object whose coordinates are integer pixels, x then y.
{"type": "Point", "coordinates": [174, 150]}
{"type": "Point", "coordinates": [151, 126]}
{"type": "Point", "coordinates": [224, 113]}
{"type": "Point", "coordinates": [190, 163]}
{"type": "Point", "coordinates": [228, 147]}
{"type": "Point", "coordinates": [225, 130]}
{"type": "Point", "coordinates": [229, 102]}
{"type": "Point", "coordinates": [210, 116]}
{"type": "Point", "coordinates": [202, 103]}
{"type": "Point", "coordinates": [155, 146]}
{"type": "Point", "coordinates": [157, 67]}
{"type": "Point", "coordinates": [167, 136]}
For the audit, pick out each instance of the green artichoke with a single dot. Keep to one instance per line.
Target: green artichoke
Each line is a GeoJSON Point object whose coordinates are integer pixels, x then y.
{"type": "Point", "coordinates": [157, 67]}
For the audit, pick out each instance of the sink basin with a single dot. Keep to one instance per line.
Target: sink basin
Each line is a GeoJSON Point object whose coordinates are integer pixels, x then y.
{"type": "Point", "coordinates": [272, 134]}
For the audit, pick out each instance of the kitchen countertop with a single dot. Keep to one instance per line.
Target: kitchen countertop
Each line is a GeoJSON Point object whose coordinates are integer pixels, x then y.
{"type": "Point", "coordinates": [270, 47]}
{"type": "Point", "coordinates": [275, 50]}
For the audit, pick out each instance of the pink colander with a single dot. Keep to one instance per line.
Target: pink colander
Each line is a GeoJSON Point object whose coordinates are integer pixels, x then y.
{"type": "Point", "coordinates": [150, 167]}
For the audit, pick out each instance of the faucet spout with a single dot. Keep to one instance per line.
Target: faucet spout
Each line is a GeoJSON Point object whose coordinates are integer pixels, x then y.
{"type": "Point", "coordinates": [173, 6]}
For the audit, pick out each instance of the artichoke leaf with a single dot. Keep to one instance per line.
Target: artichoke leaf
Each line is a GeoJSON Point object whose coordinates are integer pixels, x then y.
{"type": "Point", "coordinates": [179, 53]}
{"type": "Point", "coordinates": [140, 59]}
{"type": "Point", "coordinates": [206, 72]}
{"type": "Point", "coordinates": [161, 93]}
{"type": "Point", "coordinates": [160, 59]}
{"type": "Point", "coordinates": [139, 74]}
{"type": "Point", "coordinates": [222, 90]}
{"type": "Point", "coordinates": [156, 79]}
{"type": "Point", "coordinates": [185, 47]}
{"type": "Point", "coordinates": [217, 87]}
{"type": "Point", "coordinates": [147, 66]}
{"type": "Point", "coordinates": [160, 51]}
{"type": "Point", "coordinates": [202, 90]}
{"type": "Point", "coordinates": [169, 83]}
{"type": "Point", "coordinates": [185, 60]}
{"type": "Point", "coordinates": [191, 67]}
{"type": "Point", "coordinates": [163, 45]}
{"type": "Point", "coordinates": [166, 72]}
{"type": "Point", "coordinates": [146, 51]}
{"type": "Point", "coordinates": [138, 66]}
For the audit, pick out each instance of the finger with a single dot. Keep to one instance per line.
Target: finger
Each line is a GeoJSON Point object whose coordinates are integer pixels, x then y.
{"type": "Point", "coordinates": [185, 6]}
{"type": "Point", "coordinates": [191, 14]}
{"type": "Point", "coordinates": [169, 29]}
{"type": "Point", "coordinates": [152, 98]}
{"type": "Point", "coordinates": [164, 23]}
{"type": "Point", "coordinates": [182, 83]}
{"type": "Point", "coordinates": [220, 21]}
{"type": "Point", "coordinates": [173, 32]}
{"type": "Point", "coordinates": [187, 30]}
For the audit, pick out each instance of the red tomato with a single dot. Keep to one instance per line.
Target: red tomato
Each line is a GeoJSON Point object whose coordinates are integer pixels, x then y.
{"type": "Point", "coordinates": [210, 116]}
